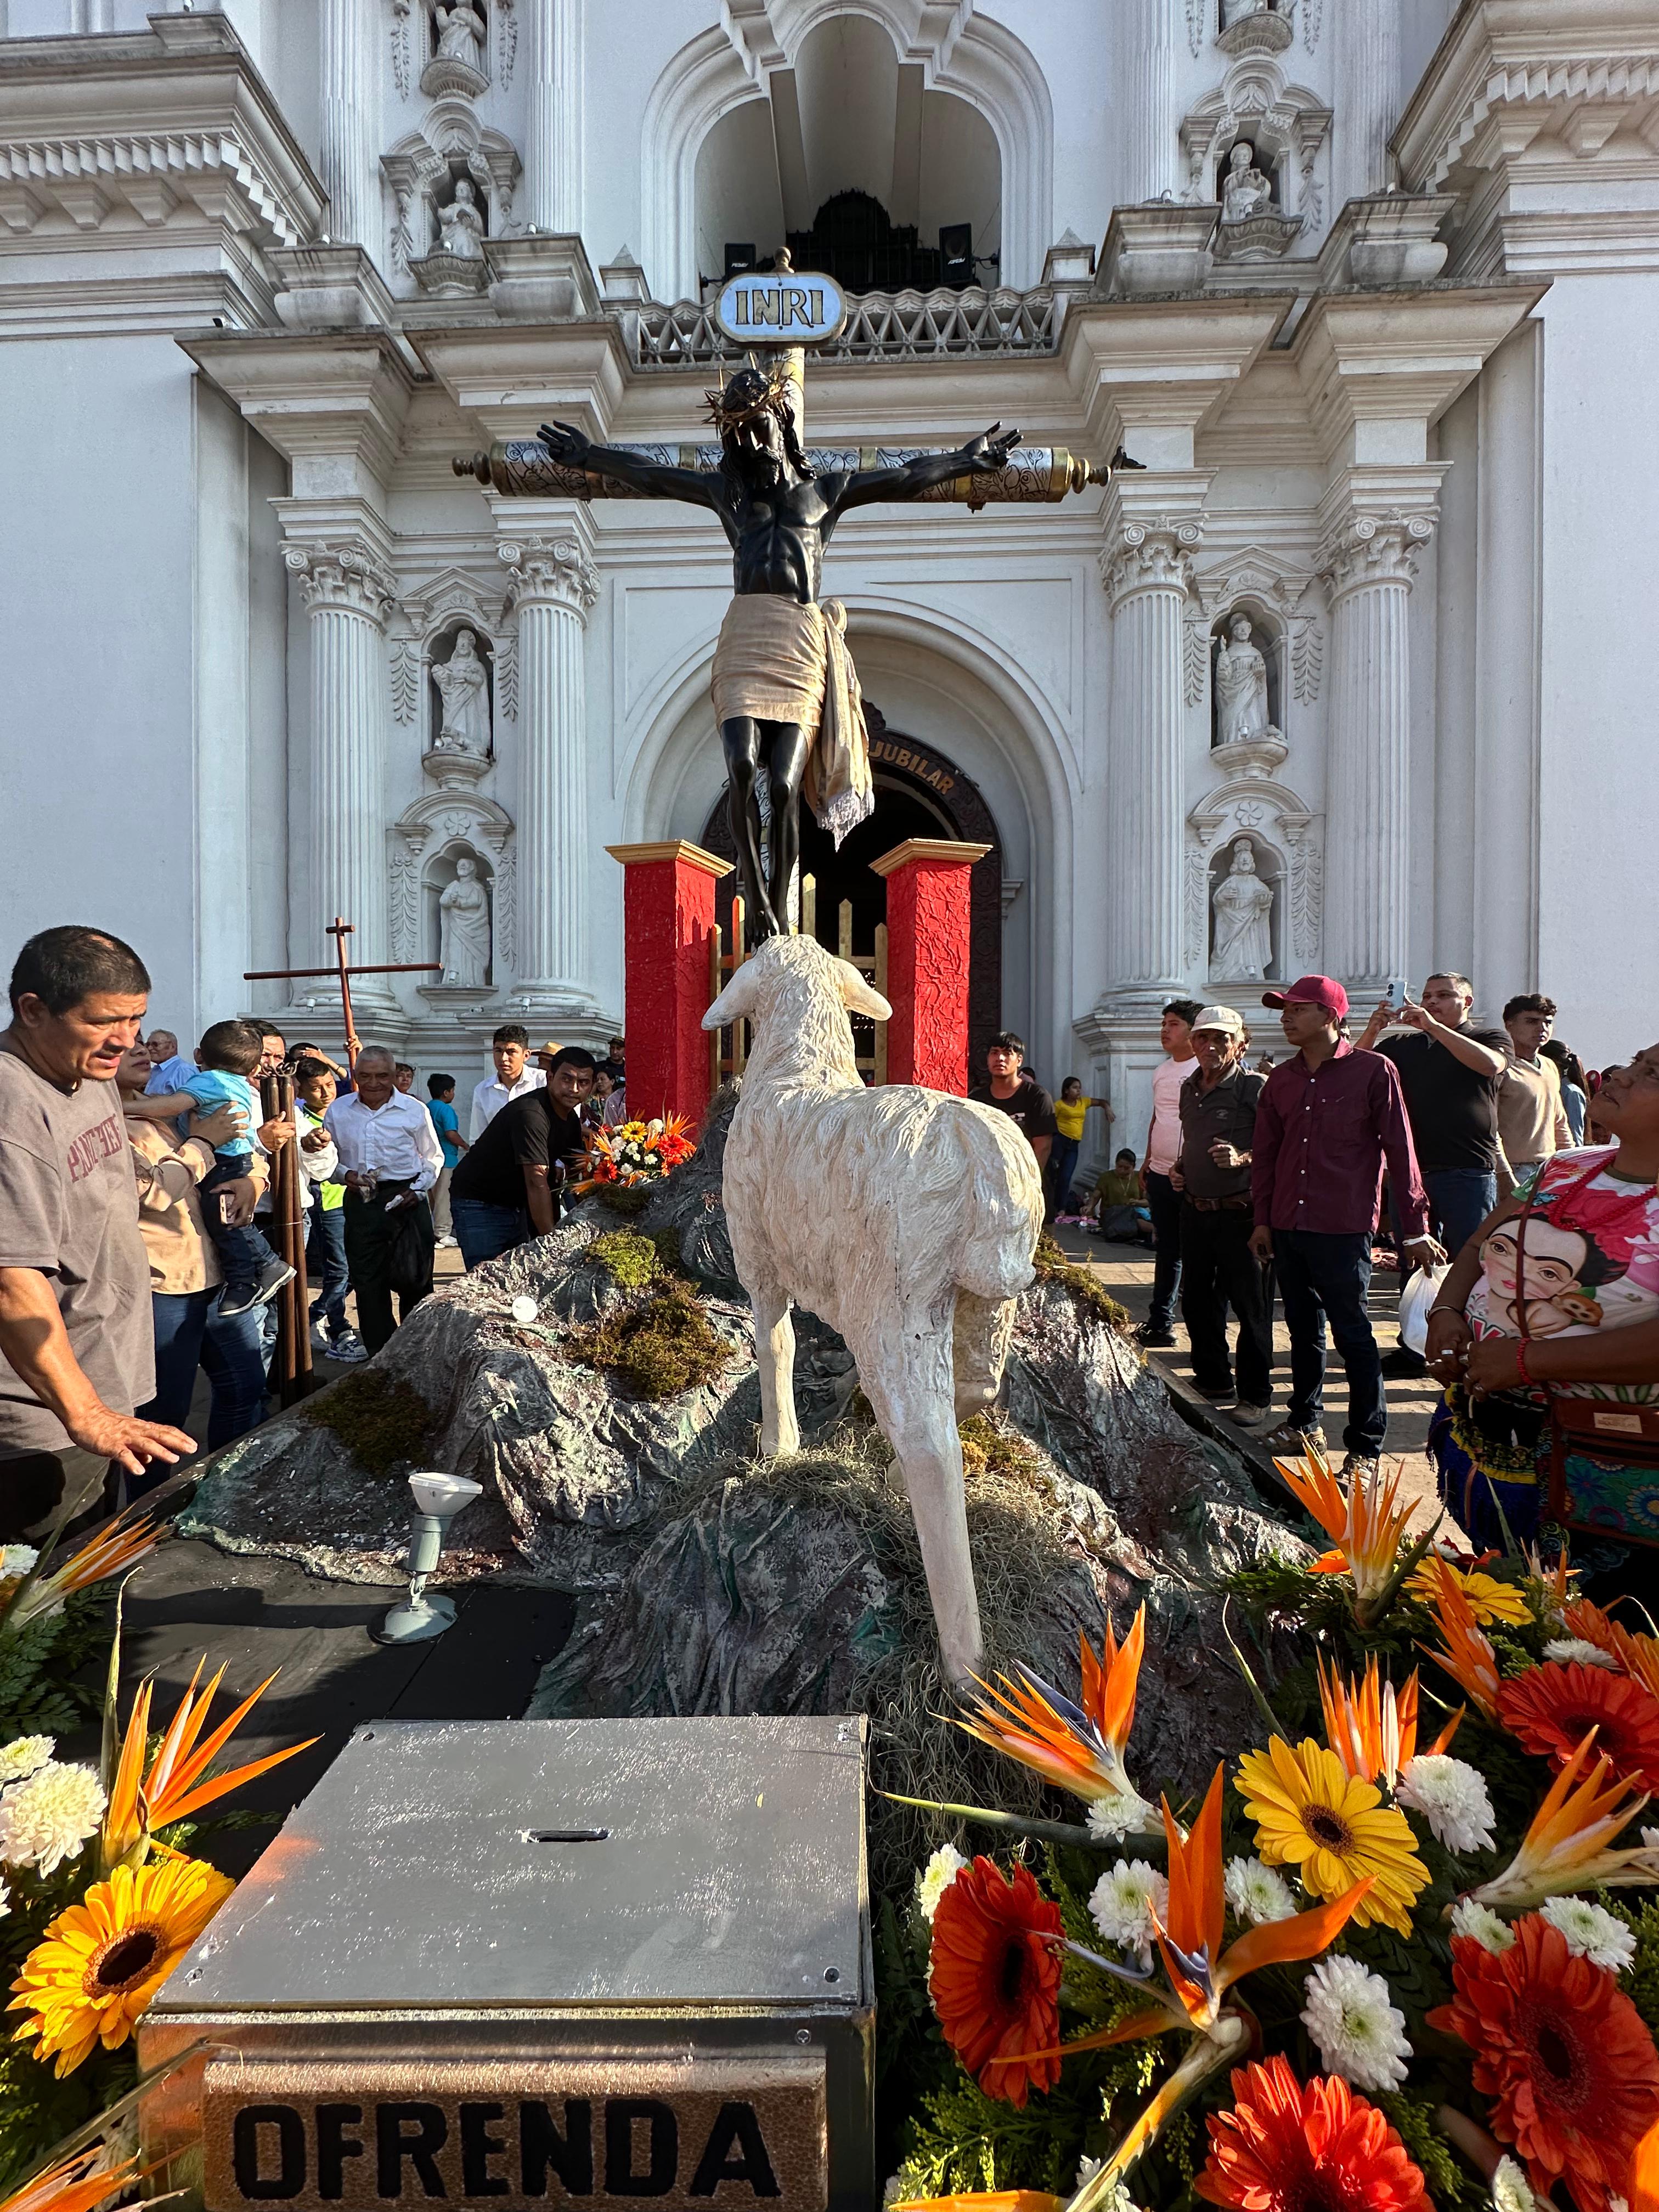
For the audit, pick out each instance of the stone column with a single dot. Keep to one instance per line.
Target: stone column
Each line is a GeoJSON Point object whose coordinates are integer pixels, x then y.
{"type": "Point", "coordinates": [1368, 562]}
{"type": "Point", "coordinates": [1368, 97]}
{"type": "Point", "coordinates": [1147, 51]}
{"type": "Point", "coordinates": [348, 595]}
{"type": "Point", "coordinates": [552, 198]}
{"type": "Point", "coordinates": [1147, 568]}
{"type": "Point", "coordinates": [347, 153]}
{"type": "Point", "coordinates": [554, 585]}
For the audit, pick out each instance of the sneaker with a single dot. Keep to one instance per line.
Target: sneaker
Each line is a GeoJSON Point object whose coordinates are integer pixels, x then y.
{"type": "Point", "coordinates": [272, 1276]}
{"type": "Point", "coordinates": [1403, 1364]}
{"type": "Point", "coordinates": [447, 1244]}
{"type": "Point", "coordinates": [1360, 1465]}
{"type": "Point", "coordinates": [348, 1348]}
{"type": "Point", "coordinates": [1288, 1441]}
{"type": "Point", "coordinates": [1248, 1416]}
{"type": "Point", "coordinates": [238, 1298]}
{"type": "Point", "coordinates": [1155, 1339]}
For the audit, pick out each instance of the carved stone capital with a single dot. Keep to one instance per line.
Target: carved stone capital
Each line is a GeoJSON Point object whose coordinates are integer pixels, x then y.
{"type": "Point", "coordinates": [1373, 549]}
{"type": "Point", "coordinates": [550, 572]}
{"type": "Point", "coordinates": [1150, 553]}
{"type": "Point", "coordinates": [344, 577]}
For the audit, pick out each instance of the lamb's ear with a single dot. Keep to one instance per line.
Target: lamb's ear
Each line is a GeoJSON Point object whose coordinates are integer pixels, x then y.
{"type": "Point", "coordinates": [735, 1002]}
{"type": "Point", "coordinates": [859, 997]}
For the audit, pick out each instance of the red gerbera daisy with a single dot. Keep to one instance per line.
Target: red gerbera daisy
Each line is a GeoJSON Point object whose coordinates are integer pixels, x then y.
{"type": "Point", "coordinates": [995, 1979]}
{"type": "Point", "coordinates": [1562, 2052]}
{"type": "Point", "coordinates": [1285, 2148]}
{"type": "Point", "coordinates": [1553, 1708]}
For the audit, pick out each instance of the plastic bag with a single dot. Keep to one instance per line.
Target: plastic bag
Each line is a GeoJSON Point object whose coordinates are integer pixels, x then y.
{"type": "Point", "coordinates": [1415, 1300]}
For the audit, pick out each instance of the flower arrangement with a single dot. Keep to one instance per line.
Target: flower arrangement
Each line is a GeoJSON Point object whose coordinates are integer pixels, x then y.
{"type": "Point", "coordinates": [637, 1151]}
{"type": "Point", "coordinates": [1396, 1960]}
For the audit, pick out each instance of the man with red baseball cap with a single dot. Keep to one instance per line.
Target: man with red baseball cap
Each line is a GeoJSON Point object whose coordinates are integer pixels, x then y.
{"type": "Point", "coordinates": [1329, 1119]}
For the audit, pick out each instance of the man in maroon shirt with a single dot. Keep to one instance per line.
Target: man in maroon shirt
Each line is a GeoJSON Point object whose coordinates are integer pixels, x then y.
{"type": "Point", "coordinates": [1329, 1120]}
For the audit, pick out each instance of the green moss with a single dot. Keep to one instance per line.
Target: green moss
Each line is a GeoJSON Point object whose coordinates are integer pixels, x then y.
{"type": "Point", "coordinates": [379, 1419]}
{"type": "Point", "coordinates": [1451, 2186]}
{"type": "Point", "coordinates": [987, 1449]}
{"type": "Point", "coordinates": [658, 1346]}
{"type": "Point", "coordinates": [1053, 1267]}
{"type": "Point", "coordinates": [628, 1198]}
{"type": "Point", "coordinates": [627, 1258]}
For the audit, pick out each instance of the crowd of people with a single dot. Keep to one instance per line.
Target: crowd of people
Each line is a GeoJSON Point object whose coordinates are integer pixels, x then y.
{"type": "Point", "coordinates": [136, 1192]}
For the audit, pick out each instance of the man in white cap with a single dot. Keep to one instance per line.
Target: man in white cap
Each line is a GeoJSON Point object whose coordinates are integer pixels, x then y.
{"type": "Point", "coordinates": [1217, 1267]}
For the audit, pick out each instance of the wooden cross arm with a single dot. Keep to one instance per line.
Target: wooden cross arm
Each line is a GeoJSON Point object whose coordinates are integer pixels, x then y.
{"type": "Point", "coordinates": [296, 974]}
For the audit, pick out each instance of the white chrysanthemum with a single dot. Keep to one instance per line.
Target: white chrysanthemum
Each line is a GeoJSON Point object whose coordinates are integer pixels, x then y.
{"type": "Point", "coordinates": [1087, 2168]}
{"type": "Point", "coordinates": [45, 1820]}
{"type": "Point", "coordinates": [1123, 1904]}
{"type": "Point", "coordinates": [1489, 1931]}
{"type": "Point", "coordinates": [1257, 1893]}
{"type": "Point", "coordinates": [23, 1755]}
{"type": "Point", "coordinates": [1360, 2034]}
{"type": "Point", "coordinates": [1118, 2201]}
{"type": "Point", "coordinates": [893, 2193]}
{"type": "Point", "coordinates": [1510, 2190]}
{"type": "Point", "coordinates": [16, 1560]}
{"type": "Point", "coordinates": [1452, 1798]}
{"type": "Point", "coordinates": [1591, 1933]}
{"type": "Point", "coordinates": [1569, 1650]}
{"type": "Point", "coordinates": [936, 1877]}
{"type": "Point", "coordinates": [1111, 1818]}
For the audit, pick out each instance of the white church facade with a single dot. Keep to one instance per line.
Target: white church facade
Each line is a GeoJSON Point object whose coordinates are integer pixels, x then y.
{"type": "Point", "coordinates": [1351, 675]}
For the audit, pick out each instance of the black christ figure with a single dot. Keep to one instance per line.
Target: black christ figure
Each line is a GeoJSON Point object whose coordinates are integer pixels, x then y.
{"type": "Point", "coordinates": [786, 694]}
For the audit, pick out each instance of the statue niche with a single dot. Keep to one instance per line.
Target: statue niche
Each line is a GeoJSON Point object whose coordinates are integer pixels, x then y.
{"type": "Point", "coordinates": [459, 885]}
{"type": "Point", "coordinates": [1242, 904]}
{"type": "Point", "coordinates": [455, 267]}
{"type": "Point", "coordinates": [1254, 225]}
{"type": "Point", "coordinates": [460, 694]}
{"type": "Point", "coordinates": [1244, 688]}
{"type": "Point", "coordinates": [460, 46]}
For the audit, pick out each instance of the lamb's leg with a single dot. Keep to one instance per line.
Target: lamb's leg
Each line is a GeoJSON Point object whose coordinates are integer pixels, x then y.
{"type": "Point", "coordinates": [775, 1357]}
{"type": "Point", "coordinates": [914, 1408]}
{"type": "Point", "coordinates": [984, 1330]}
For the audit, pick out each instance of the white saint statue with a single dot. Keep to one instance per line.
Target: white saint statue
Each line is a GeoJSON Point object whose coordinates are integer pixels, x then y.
{"type": "Point", "coordinates": [464, 925]}
{"type": "Point", "coordinates": [462, 684]}
{"type": "Point", "coordinates": [1247, 192]}
{"type": "Point", "coordinates": [461, 225]}
{"type": "Point", "coordinates": [1234, 11]}
{"type": "Point", "coordinates": [1244, 920]}
{"type": "Point", "coordinates": [461, 34]}
{"type": "Point", "coordinates": [1241, 686]}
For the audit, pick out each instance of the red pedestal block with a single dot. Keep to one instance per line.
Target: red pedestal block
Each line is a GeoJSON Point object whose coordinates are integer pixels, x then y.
{"type": "Point", "coordinates": [668, 911]}
{"type": "Point", "coordinates": [928, 933]}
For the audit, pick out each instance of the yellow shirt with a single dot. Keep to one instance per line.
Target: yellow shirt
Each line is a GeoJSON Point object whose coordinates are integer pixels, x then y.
{"type": "Point", "coordinates": [1068, 1115]}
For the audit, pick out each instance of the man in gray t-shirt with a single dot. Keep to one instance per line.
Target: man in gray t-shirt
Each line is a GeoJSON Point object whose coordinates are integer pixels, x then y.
{"type": "Point", "coordinates": [77, 1342]}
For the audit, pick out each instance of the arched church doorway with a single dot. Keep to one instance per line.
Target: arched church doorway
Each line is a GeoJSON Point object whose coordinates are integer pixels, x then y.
{"type": "Point", "coordinates": [919, 794]}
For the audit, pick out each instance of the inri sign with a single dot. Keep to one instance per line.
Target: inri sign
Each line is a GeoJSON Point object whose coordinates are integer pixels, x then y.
{"type": "Point", "coordinates": [780, 307]}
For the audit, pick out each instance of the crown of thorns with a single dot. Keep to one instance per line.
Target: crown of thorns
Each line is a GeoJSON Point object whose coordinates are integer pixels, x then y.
{"type": "Point", "coordinates": [750, 393]}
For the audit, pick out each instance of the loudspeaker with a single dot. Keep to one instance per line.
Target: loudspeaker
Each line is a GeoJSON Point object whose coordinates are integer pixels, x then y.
{"type": "Point", "coordinates": [956, 253]}
{"type": "Point", "coordinates": [738, 258]}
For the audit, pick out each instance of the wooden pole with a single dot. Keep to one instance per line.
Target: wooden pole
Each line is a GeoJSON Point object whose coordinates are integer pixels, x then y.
{"type": "Point", "coordinates": [293, 1354]}
{"type": "Point", "coordinates": [881, 981]}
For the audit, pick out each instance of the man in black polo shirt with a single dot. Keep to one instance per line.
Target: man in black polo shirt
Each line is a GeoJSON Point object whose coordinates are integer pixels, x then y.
{"type": "Point", "coordinates": [1017, 1095]}
{"type": "Point", "coordinates": [506, 1189]}
{"type": "Point", "coordinates": [1212, 1174]}
{"type": "Point", "coordinates": [1450, 1072]}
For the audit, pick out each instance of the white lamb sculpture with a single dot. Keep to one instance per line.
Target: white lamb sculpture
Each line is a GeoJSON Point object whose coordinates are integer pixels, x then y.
{"type": "Point", "coordinates": [904, 1218]}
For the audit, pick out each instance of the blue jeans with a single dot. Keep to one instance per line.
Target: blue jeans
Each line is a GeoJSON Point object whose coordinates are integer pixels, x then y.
{"type": "Point", "coordinates": [244, 1253]}
{"type": "Point", "coordinates": [1320, 1275]}
{"type": "Point", "coordinates": [1063, 1166]}
{"type": "Point", "coordinates": [1164, 1202]}
{"type": "Point", "coordinates": [1460, 1199]}
{"type": "Point", "coordinates": [190, 1331]}
{"type": "Point", "coordinates": [325, 1260]}
{"type": "Point", "coordinates": [484, 1231]}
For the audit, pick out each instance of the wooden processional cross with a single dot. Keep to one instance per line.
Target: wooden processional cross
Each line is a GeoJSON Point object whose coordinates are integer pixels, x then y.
{"type": "Point", "coordinates": [293, 1353]}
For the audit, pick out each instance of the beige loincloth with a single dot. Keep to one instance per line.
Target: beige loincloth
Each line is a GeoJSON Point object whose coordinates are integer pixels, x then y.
{"type": "Point", "coordinates": [782, 662]}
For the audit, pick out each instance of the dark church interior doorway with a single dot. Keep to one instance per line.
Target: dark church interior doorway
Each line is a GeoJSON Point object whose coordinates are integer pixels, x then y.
{"type": "Point", "coordinates": [919, 794]}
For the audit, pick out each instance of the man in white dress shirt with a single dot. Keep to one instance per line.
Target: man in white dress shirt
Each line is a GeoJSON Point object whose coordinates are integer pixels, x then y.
{"type": "Point", "coordinates": [390, 1157]}
{"type": "Point", "coordinates": [511, 1078]}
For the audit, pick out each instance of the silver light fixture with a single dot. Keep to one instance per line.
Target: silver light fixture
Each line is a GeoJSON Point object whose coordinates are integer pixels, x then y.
{"type": "Point", "coordinates": [438, 1499]}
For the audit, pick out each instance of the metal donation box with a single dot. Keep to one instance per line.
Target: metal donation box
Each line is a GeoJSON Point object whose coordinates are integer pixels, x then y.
{"type": "Point", "coordinates": [538, 1962]}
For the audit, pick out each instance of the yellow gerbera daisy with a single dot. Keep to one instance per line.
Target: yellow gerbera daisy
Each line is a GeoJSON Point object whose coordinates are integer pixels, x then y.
{"type": "Point", "coordinates": [1333, 1828]}
{"type": "Point", "coordinates": [101, 1962]}
{"type": "Point", "coordinates": [1490, 1600]}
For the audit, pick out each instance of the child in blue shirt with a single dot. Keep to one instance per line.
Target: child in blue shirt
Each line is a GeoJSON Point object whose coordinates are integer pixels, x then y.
{"type": "Point", "coordinates": [225, 1059]}
{"type": "Point", "coordinates": [447, 1122]}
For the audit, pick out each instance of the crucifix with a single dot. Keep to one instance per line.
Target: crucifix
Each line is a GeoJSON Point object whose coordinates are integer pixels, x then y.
{"type": "Point", "coordinates": [339, 929]}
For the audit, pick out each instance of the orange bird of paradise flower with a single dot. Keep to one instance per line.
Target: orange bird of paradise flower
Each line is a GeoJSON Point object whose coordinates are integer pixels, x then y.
{"type": "Point", "coordinates": [1468, 1654]}
{"type": "Point", "coordinates": [1371, 1726]}
{"type": "Point", "coordinates": [1637, 1655]}
{"type": "Point", "coordinates": [1567, 1845]}
{"type": "Point", "coordinates": [1365, 1524]}
{"type": "Point", "coordinates": [177, 1784]}
{"type": "Point", "coordinates": [1200, 1973]}
{"type": "Point", "coordinates": [119, 1543]}
{"type": "Point", "coordinates": [1079, 1747]}
{"type": "Point", "coordinates": [73, 2185]}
